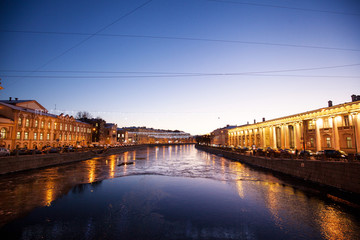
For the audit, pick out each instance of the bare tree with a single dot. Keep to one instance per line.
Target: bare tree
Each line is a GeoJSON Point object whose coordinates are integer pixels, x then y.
{"type": "Point", "coordinates": [83, 115]}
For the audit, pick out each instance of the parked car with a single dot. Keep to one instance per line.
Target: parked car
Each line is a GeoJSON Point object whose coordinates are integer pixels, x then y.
{"type": "Point", "coordinates": [69, 149]}
{"type": "Point", "coordinates": [335, 154]}
{"type": "Point", "coordinates": [4, 152]}
{"type": "Point", "coordinates": [260, 152]}
{"type": "Point", "coordinates": [306, 153]}
{"type": "Point", "coordinates": [33, 151]}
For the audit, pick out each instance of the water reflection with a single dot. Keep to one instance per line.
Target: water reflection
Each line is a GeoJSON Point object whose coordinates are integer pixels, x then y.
{"type": "Point", "coordinates": [275, 204]}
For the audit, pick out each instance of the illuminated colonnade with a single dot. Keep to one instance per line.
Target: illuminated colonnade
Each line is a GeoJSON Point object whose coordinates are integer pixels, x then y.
{"type": "Point", "coordinates": [336, 127]}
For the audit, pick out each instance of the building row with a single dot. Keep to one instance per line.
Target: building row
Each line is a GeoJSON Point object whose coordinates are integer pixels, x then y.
{"type": "Point", "coordinates": [334, 127]}
{"type": "Point", "coordinates": [27, 124]}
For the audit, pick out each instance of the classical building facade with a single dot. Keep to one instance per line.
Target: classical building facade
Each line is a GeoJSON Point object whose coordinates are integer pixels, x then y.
{"type": "Point", "coordinates": [27, 124]}
{"type": "Point", "coordinates": [333, 127]}
{"type": "Point", "coordinates": [220, 136]}
{"type": "Point", "coordinates": [143, 135]}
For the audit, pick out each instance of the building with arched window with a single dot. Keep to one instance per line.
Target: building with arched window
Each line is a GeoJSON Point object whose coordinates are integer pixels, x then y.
{"type": "Point", "coordinates": [333, 127]}
{"type": "Point", "coordinates": [27, 124]}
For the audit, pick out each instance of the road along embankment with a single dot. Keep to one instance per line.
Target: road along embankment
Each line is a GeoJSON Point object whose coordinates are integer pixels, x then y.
{"type": "Point", "coordinates": [344, 176]}
{"type": "Point", "coordinates": [27, 162]}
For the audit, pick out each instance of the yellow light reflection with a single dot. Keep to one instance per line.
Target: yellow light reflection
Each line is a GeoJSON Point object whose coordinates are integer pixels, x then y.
{"type": "Point", "coordinates": [91, 164]}
{"type": "Point", "coordinates": [334, 225]}
{"type": "Point", "coordinates": [50, 185]}
{"type": "Point", "coordinates": [112, 164]}
{"type": "Point", "coordinates": [156, 153]}
{"type": "Point", "coordinates": [134, 155]}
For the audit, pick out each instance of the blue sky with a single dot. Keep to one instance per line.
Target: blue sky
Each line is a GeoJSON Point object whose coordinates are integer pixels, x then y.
{"type": "Point", "coordinates": [192, 65]}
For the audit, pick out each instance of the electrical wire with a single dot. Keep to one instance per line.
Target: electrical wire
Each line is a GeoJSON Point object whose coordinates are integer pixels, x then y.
{"type": "Point", "coordinates": [284, 7]}
{"type": "Point", "coordinates": [181, 38]}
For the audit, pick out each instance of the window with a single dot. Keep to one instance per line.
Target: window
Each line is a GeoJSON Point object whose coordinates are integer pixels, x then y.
{"type": "Point", "coordinates": [20, 121]}
{"type": "Point", "coordinates": [55, 126]}
{"type": "Point", "coordinates": [60, 137]}
{"type": "Point", "coordinates": [41, 136]}
{"type": "Point", "coordinates": [3, 133]}
{"type": "Point", "coordinates": [26, 136]}
{"type": "Point", "coordinates": [326, 123]}
{"type": "Point", "coordinates": [42, 124]}
{"type": "Point", "coordinates": [311, 124]}
{"type": "Point", "coordinates": [348, 142]}
{"type": "Point", "coordinates": [48, 136]}
{"type": "Point", "coordinates": [35, 136]}
{"type": "Point", "coordinates": [65, 137]}
{"type": "Point", "coordinates": [60, 126]}
{"type": "Point", "coordinates": [346, 121]}
{"type": "Point", "coordinates": [36, 123]}
{"type": "Point", "coordinates": [18, 135]}
{"type": "Point", "coordinates": [49, 125]}
{"type": "Point", "coordinates": [54, 137]}
{"type": "Point", "coordinates": [65, 127]}
{"type": "Point", "coordinates": [69, 137]}
{"type": "Point", "coordinates": [27, 122]}
{"type": "Point", "coordinates": [312, 142]}
{"type": "Point", "coordinates": [78, 129]}
{"type": "Point", "coordinates": [70, 127]}
{"type": "Point", "coordinates": [328, 142]}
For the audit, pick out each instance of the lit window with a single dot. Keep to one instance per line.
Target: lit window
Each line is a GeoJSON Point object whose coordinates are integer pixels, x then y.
{"type": "Point", "coordinates": [312, 142]}
{"type": "Point", "coordinates": [65, 127]}
{"type": "Point", "coordinates": [311, 124]}
{"type": "Point", "coordinates": [26, 136]}
{"type": "Point", "coordinates": [18, 135]}
{"type": "Point", "coordinates": [328, 142]}
{"type": "Point", "coordinates": [48, 136]}
{"type": "Point", "coordinates": [70, 127]}
{"type": "Point", "coordinates": [49, 125]}
{"type": "Point", "coordinates": [35, 136]}
{"type": "Point", "coordinates": [78, 129]}
{"type": "Point", "coordinates": [346, 121]}
{"type": "Point", "coordinates": [69, 137]}
{"type": "Point", "coordinates": [36, 123]}
{"type": "Point", "coordinates": [60, 126]}
{"type": "Point", "coordinates": [20, 121]}
{"type": "Point", "coordinates": [27, 122]}
{"type": "Point", "coordinates": [42, 124]}
{"type": "Point", "coordinates": [349, 142]}
{"type": "Point", "coordinates": [3, 133]}
{"type": "Point", "coordinates": [326, 123]}
{"type": "Point", "coordinates": [41, 136]}
{"type": "Point", "coordinates": [60, 137]}
{"type": "Point", "coordinates": [65, 137]}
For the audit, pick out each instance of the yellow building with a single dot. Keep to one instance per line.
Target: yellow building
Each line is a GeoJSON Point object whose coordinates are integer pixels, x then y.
{"type": "Point", "coordinates": [334, 127]}
{"type": "Point", "coordinates": [27, 124]}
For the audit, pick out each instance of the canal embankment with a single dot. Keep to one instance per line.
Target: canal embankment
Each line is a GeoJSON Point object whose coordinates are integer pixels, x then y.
{"type": "Point", "coordinates": [20, 163]}
{"type": "Point", "coordinates": [344, 176]}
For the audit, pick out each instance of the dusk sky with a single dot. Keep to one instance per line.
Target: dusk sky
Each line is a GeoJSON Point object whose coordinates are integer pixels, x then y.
{"type": "Point", "coordinates": [191, 65]}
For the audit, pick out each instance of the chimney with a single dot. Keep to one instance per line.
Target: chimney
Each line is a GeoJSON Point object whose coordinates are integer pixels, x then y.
{"type": "Point", "coordinates": [10, 98]}
{"type": "Point", "coordinates": [330, 103]}
{"type": "Point", "coordinates": [254, 121]}
{"type": "Point", "coordinates": [16, 99]}
{"type": "Point", "coordinates": [353, 98]}
{"type": "Point", "coordinates": [263, 119]}
{"type": "Point", "coordinates": [248, 123]}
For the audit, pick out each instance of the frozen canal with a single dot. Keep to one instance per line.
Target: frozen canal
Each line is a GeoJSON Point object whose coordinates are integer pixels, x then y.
{"type": "Point", "coordinates": [172, 192]}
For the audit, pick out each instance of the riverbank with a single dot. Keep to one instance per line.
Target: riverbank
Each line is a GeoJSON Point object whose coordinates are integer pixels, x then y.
{"type": "Point", "coordinates": [343, 176]}
{"type": "Point", "coordinates": [20, 163]}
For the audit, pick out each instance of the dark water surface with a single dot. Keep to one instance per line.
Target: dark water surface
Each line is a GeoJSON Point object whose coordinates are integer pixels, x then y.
{"type": "Point", "coordinates": [174, 192]}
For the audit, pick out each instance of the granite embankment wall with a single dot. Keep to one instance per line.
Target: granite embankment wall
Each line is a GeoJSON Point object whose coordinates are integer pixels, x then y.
{"type": "Point", "coordinates": [27, 162]}
{"type": "Point", "coordinates": [341, 175]}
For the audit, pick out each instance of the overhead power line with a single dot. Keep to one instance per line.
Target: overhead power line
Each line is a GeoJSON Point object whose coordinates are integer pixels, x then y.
{"type": "Point", "coordinates": [180, 38]}
{"type": "Point", "coordinates": [285, 7]}
{"type": "Point", "coordinates": [91, 36]}
{"type": "Point", "coordinates": [185, 73]}
{"type": "Point", "coordinates": [177, 76]}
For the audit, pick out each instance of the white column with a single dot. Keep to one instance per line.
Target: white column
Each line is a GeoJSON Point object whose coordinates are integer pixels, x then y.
{"type": "Point", "coordinates": [318, 137]}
